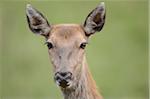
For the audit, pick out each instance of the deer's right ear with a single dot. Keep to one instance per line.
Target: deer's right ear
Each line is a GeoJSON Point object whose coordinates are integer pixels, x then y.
{"type": "Point", "coordinates": [36, 21]}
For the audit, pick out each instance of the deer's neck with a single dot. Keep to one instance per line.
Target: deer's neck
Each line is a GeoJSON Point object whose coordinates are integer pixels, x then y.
{"type": "Point", "coordinates": [85, 87]}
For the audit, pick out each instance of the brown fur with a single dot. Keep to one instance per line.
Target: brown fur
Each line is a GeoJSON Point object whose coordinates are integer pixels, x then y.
{"type": "Point", "coordinates": [66, 43]}
{"type": "Point", "coordinates": [68, 37]}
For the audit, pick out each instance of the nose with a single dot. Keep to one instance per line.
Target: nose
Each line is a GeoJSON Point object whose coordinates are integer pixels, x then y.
{"type": "Point", "coordinates": [63, 78]}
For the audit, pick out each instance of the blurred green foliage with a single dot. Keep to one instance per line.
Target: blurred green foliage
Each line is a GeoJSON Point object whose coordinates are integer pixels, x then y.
{"type": "Point", "coordinates": [117, 56]}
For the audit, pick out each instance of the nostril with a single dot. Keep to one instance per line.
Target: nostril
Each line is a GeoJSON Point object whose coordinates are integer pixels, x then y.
{"type": "Point", "coordinates": [57, 78]}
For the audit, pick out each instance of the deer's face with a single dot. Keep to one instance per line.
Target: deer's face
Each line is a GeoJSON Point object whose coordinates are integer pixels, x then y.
{"type": "Point", "coordinates": [66, 42]}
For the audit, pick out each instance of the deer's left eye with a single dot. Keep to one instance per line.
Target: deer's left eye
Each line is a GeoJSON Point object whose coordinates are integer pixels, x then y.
{"type": "Point", "coordinates": [83, 45]}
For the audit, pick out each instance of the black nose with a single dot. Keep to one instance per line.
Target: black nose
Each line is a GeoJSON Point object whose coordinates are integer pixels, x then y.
{"type": "Point", "coordinates": [63, 78]}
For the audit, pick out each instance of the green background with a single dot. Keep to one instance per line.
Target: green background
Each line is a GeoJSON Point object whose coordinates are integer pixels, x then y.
{"type": "Point", "coordinates": [117, 56]}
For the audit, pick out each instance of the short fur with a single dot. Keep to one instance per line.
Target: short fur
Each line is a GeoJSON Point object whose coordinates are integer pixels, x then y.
{"type": "Point", "coordinates": [66, 52]}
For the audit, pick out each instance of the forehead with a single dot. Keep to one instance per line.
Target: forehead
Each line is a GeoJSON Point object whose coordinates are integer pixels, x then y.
{"type": "Point", "coordinates": [67, 33]}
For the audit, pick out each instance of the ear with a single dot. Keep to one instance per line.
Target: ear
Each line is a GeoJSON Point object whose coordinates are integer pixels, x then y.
{"type": "Point", "coordinates": [95, 20]}
{"type": "Point", "coordinates": [36, 21]}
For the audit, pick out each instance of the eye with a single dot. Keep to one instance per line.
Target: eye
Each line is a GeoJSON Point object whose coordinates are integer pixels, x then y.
{"type": "Point", "coordinates": [49, 45]}
{"type": "Point", "coordinates": [83, 45]}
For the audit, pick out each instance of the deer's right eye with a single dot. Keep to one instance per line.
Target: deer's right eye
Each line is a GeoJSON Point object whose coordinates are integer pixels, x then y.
{"type": "Point", "coordinates": [49, 45]}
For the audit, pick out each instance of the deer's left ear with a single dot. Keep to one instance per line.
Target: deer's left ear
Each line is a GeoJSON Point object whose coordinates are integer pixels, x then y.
{"type": "Point", "coordinates": [95, 20]}
{"type": "Point", "coordinates": [36, 21]}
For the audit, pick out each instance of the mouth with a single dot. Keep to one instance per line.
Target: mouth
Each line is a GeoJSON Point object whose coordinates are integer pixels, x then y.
{"type": "Point", "coordinates": [63, 84]}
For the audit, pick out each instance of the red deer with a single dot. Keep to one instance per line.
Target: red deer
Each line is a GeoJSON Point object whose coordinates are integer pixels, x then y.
{"type": "Point", "coordinates": [66, 46]}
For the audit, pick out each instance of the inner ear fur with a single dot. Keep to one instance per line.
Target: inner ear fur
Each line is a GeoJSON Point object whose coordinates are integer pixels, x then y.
{"type": "Point", "coordinates": [95, 20]}
{"type": "Point", "coordinates": [38, 24]}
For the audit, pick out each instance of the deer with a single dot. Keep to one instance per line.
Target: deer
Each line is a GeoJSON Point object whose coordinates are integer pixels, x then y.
{"type": "Point", "coordinates": [66, 47]}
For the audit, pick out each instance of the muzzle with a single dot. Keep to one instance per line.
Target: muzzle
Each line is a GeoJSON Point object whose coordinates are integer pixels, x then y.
{"type": "Point", "coordinates": [63, 78]}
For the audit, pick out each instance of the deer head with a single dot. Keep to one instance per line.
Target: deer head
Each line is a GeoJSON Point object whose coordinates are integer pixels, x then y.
{"type": "Point", "coordinates": [66, 42]}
